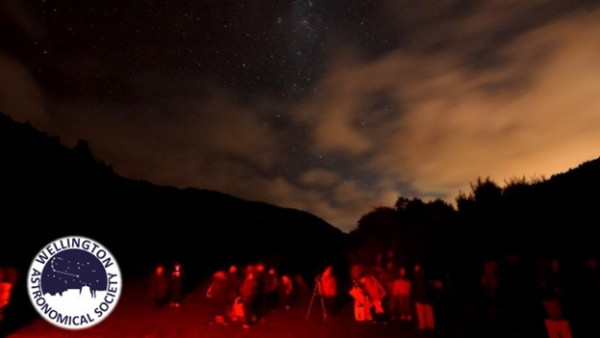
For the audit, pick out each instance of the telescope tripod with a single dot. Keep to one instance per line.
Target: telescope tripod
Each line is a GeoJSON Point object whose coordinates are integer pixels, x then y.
{"type": "Point", "coordinates": [317, 293]}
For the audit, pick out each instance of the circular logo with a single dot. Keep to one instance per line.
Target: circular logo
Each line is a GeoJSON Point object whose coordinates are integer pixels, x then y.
{"type": "Point", "coordinates": [74, 282]}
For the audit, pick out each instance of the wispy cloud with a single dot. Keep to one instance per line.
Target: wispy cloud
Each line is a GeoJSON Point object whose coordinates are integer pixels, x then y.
{"type": "Point", "coordinates": [19, 93]}
{"type": "Point", "coordinates": [536, 113]}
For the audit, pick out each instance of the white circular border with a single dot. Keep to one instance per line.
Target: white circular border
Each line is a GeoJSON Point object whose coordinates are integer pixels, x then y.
{"type": "Point", "coordinates": [114, 269]}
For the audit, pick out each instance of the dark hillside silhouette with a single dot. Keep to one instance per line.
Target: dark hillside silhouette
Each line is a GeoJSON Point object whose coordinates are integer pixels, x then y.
{"type": "Point", "coordinates": [555, 217]}
{"type": "Point", "coordinates": [514, 233]}
{"type": "Point", "coordinates": [52, 191]}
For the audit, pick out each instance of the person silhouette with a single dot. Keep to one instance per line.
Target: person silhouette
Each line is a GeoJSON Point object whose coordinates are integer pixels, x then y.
{"type": "Point", "coordinates": [158, 286]}
{"type": "Point", "coordinates": [423, 300]}
{"type": "Point", "coordinates": [176, 285]}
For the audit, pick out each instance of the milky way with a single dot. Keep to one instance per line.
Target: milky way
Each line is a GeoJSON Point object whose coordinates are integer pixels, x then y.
{"type": "Point", "coordinates": [327, 106]}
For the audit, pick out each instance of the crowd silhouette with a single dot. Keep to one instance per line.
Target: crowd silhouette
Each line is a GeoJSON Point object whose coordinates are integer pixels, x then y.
{"type": "Point", "coordinates": [234, 295]}
{"type": "Point", "coordinates": [511, 297]}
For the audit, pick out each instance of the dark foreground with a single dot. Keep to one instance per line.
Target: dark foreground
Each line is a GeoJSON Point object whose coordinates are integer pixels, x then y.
{"type": "Point", "coordinates": [136, 316]}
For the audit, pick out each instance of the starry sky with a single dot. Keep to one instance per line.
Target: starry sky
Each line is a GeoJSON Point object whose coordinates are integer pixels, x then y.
{"type": "Point", "coordinates": [332, 107]}
{"type": "Point", "coordinates": [73, 269]}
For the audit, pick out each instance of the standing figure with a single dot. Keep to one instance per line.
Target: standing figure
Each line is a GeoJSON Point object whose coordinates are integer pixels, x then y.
{"type": "Point", "coordinates": [489, 281]}
{"type": "Point", "coordinates": [5, 292]}
{"type": "Point", "coordinates": [401, 297]}
{"type": "Point", "coordinates": [249, 293]}
{"type": "Point", "coordinates": [489, 284]}
{"type": "Point", "coordinates": [233, 286]}
{"type": "Point", "coordinates": [362, 302]}
{"type": "Point", "coordinates": [8, 278]}
{"type": "Point", "coordinates": [158, 286]}
{"type": "Point", "coordinates": [286, 288]}
{"type": "Point", "coordinates": [327, 283]}
{"type": "Point", "coordinates": [588, 296]}
{"type": "Point", "coordinates": [272, 288]}
{"type": "Point", "coordinates": [300, 285]}
{"type": "Point", "coordinates": [217, 293]}
{"type": "Point", "coordinates": [423, 300]}
{"type": "Point", "coordinates": [176, 285]}
{"type": "Point", "coordinates": [552, 288]}
{"type": "Point", "coordinates": [377, 294]}
{"type": "Point", "coordinates": [260, 301]}
{"type": "Point", "coordinates": [387, 278]}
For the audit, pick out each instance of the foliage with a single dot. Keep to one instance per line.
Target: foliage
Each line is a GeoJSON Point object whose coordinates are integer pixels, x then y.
{"type": "Point", "coordinates": [536, 217]}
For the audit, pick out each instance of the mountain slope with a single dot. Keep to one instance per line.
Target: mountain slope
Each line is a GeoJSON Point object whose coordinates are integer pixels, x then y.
{"type": "Point", "coordinates": [53, 191]}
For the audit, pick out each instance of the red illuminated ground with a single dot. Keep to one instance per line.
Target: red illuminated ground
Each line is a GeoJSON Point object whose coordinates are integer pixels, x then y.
{"type": "Point", "coordinates": [136, 317]}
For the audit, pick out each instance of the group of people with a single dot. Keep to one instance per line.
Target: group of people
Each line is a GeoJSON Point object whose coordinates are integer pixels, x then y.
{"type": "Point", "coordinates": [235, 295]}
{"type": "Point", "coordinates": [506, 296]}
{"type": "Point", "coordinates": [166, 286]}
{"type": "Point", "coordinates": [247, 295]}
{"type": "Point", "coordinates": [380, 295]}
{"type": "Point", "coordinates": [389, 294]}
{"type": "Point", "coordinates": [388, 291]}
{"type": "Point", "coordinates": [564, 299]}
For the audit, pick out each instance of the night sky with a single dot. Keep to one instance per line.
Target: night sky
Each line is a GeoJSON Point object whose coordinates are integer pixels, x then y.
{"type": "Point", "coordinates": [327, 106]}
{"type": "Point", "coordinates": [73, 269]}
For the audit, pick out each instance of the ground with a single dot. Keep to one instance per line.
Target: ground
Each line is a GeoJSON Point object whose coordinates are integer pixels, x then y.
{"type": "Point", "coordinates": [135, 316]}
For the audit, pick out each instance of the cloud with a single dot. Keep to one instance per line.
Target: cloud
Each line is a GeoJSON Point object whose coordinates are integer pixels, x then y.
{"type": "Point", "coordinates": [352, 200]}
{"type": "Point", "coordinates": [319, 177]}
{"type": "Point", "coordinates": [330, 114]}
{"type": "Point", "coordinates": [444, 125]}
{"type": "Point", "coordinates": [15, 13]}
{"type": "Point", "coordinates": [541, 129]}
{"type": "Point", "coordinates": [536, 113]}
{"type": "Point", "coordinates": [175, 139]}
{"type": "Point", "coordinates": [459, 91]}
{"type": "Point", "coordinates": [20, 96]}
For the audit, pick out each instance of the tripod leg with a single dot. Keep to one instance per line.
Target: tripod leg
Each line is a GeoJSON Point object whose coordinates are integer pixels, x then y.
{"type": "Point", "coordinates": [324, 308]}
{"type": "Point", "coordinates": [312, 299]}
